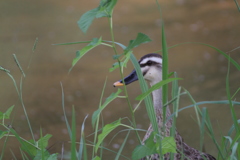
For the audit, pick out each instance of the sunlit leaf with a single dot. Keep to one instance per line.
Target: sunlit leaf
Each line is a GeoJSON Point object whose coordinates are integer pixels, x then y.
{"type": "Point", "coordinates": [106, 130]}
{"type": "Point", "coordinates": [141, 38]}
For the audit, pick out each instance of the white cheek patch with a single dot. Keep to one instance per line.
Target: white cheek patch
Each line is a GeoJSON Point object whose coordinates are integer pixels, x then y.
{"type": "Point", "coordinates": [154, 59]}
{"type": "Point", "coordinates": [144, 69]}
{"type": "Point", "coordinates": [153, 74]}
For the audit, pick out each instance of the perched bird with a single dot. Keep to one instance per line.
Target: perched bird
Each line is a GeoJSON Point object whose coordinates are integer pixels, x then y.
{"type": "Point", "coordinates": [151, 67]}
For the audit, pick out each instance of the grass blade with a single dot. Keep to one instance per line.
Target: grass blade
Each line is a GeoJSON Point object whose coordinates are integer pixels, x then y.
{"type": "Point", "coordinates": [234, 117]}
{"type": "Point", "coordinates": [238, 7]}
{"type": "Point", "coordinates": [73, 139]}
{"type": "Point", "coordinates": [18, 64]}
{"type": "Point", "coordinates": [64, 113]}
{"type": "Point", "coordinates": [148, 99]}
{"type": "Point", "coordinates": [82, 145]}
{"type": "Point", "coordinates": [122, 146]}
{"type": "Point", "coordinates": [106, 130]}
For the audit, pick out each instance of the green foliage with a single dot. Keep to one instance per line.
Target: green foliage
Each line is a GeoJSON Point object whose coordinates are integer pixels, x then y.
{"type": "Point", "coordinates": [106, 130]}
{"type": "Point", "coordinates": [238, 7]}
{"type": "Point", "coordinates": [155, 87]}
{"type": "Point", "coordinates": [104, 9]}
{"type": "Point", "coordinates": [141, 38]}
{"type": "Point", "coordinates": [7, 114]}
{"type": "Point", "coordinates": [82, 152]}
{"type": "Point", "coordinates": [96, 158]}
{"type": "Point", "coordinates": [79, 54]}
{"type": "Point", "coordinates": [73, 137]}
{"type": "Point", "coordinates": [107, 101]}
{"type": "Point", "coordinates": [45, 156]}
{"type": "Point", "coordinates": [151, 147]}
{"type": "Point", "coordinates": [3, 133]}
{"type": "Point", "coordinates": [33, 148]}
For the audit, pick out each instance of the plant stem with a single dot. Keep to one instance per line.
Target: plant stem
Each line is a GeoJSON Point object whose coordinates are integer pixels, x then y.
{"type": "Point", "coordinates": [121, 73]}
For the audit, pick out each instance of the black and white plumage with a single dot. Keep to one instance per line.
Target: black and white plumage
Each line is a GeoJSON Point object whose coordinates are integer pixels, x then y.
{"type": "Point", "coordinates": [151, 67]}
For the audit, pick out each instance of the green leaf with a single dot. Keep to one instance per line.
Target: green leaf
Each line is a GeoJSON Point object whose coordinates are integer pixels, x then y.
{"type": "Point", "coordinates": [96, 158]}
{"type": "Point", "coordinates": [29, 147]}
{"type": "Point", "coordinates": [86, 19]}
{"type": "Point", "coordinates": [3, 133]}
{"type": "Point", "coordinates": [53, 157]}
{"type": "Point", "coordinates": [95, 116]}
{"type": "Point", "coordinates": [79, 54]}
{"type": "Point", "coordinates": [106, 130]}
{"type": "Point", "coordinates": [7, 114]}
{"type": "Point", "coordinates": [147, 149]}
{"type": "Point", "coordinates": [41, 155]}
{"type": "Point", "coordinates": [46, 156]}
{"type": "Point", "coordinates": [141, 38]}
{"type": "Point", "coordinates": [168, 145]}
{"type": "Point", "coordinates": [123, 63]}
{"type": "Point", "coordinates": [114, 66]}
{"type": "Point", "coordinates": [154, 87]}
{"type": "Point", "coordinates": [43, 141]}
{"type": "Point", "coordinates": [105, 9]}
{"type": "Point", "coordinates": [107, 101]}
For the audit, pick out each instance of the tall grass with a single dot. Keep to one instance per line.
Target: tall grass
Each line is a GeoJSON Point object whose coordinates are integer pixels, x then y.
{"type": "Point", "coordinates": [228, 148]}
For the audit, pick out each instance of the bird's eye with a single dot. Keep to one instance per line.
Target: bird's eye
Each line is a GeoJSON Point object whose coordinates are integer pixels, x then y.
{"type": "Point", "coordinates": [149, 63]}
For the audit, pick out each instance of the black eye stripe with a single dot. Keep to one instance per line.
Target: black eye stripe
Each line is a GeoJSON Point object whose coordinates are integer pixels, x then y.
{"type": "Point", "coordinates": [148, 63]}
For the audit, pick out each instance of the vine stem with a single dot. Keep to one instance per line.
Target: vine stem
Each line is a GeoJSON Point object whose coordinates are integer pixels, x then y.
{"type": "Point", "coordinates": [110, 20]}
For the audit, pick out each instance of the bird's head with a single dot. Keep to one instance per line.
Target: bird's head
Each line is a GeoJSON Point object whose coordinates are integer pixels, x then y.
{"type": "Point", "coordinates": [151, 67]}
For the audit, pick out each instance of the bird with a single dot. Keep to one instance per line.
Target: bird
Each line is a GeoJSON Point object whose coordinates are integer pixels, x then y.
{"type": "Point", "coordinates": [151, 67]}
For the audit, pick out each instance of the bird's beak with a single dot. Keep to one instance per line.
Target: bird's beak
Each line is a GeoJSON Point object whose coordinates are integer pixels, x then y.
{"type": "Point", "coordinates": [127, 80]}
